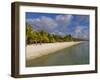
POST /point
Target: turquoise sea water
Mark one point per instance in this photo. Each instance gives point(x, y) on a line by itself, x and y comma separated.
point(75, 55)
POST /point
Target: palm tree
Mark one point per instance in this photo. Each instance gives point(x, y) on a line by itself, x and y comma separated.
point(29, 33)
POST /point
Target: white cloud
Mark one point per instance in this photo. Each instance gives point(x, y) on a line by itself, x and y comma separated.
point(59, 23)
point(29, 20)
point(61, 33)
point(44, 22)
point(48, 22)
point(58, 33)
point(63, 19)
point(78, 30)
point(81, 32)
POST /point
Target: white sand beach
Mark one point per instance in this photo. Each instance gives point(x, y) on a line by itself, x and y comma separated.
point(33, 51)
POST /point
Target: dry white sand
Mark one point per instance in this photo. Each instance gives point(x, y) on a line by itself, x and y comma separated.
point(33, 51)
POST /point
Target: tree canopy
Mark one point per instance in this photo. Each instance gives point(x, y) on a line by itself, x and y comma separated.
point(42, 36)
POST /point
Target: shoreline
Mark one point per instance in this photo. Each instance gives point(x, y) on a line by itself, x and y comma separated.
point(35, 51)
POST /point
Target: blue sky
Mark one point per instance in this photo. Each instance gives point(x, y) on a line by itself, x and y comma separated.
point(60, 24)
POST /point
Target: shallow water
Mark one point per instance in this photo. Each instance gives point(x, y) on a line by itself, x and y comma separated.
point(75, 55)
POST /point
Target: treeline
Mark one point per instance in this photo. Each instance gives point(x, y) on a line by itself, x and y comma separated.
point(42, 36)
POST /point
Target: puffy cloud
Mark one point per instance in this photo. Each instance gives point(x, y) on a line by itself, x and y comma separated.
point(63, 20)
point(48, 22)
point(58, 33)
point(59, 25)
point(81, 32)
point(78, 30)
point(43, 22)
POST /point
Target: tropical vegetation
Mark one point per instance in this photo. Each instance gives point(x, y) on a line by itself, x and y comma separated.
point(41, 36)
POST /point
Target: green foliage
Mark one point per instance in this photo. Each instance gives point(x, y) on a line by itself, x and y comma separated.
point(68, 38)
point(42, 36)
point(51, 38)
point(29, 34)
